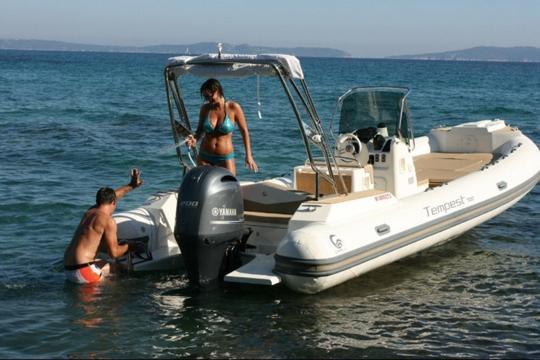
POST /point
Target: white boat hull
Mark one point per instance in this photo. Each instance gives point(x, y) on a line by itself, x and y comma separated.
point(315, 284)
point(153, 224)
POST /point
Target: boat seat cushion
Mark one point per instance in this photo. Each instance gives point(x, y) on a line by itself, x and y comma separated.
point(439, 168)
point(267, 218)
point(268, 197)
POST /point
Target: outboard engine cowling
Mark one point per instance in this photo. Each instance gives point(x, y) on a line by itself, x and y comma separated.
point(209, 221)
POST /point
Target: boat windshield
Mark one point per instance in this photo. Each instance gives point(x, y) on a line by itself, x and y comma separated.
point(368, 107)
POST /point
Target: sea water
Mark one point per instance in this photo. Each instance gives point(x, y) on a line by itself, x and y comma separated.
point(73, 122)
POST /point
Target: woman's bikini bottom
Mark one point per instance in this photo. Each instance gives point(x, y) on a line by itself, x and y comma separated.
point(215, 159)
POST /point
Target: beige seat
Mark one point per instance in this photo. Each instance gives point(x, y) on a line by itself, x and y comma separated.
point(439, 168)
point(305, 180)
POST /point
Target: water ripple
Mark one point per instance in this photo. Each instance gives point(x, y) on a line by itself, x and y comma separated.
point(475, 297)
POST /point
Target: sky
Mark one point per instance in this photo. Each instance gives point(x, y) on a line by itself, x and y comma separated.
point(375, 28)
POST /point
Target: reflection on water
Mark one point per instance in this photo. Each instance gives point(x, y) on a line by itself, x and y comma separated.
point(448, 301)
point(88, 297)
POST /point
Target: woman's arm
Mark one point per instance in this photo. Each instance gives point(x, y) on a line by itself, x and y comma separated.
point(242, 126)
point(191, 140)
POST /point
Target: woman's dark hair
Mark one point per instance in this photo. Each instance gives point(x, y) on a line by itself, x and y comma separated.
point(105, 195)
point(210, 86)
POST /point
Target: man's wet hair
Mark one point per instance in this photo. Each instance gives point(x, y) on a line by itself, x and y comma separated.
point(210, 86)
point(105, 195)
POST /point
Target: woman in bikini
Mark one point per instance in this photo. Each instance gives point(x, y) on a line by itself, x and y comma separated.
point(217, 119)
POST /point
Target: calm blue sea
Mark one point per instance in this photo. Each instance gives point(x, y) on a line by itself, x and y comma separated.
point(73, 122)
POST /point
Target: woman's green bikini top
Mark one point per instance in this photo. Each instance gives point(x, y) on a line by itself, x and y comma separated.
point(226, 126)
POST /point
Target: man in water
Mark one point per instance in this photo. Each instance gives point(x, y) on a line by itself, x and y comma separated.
point(96, 230)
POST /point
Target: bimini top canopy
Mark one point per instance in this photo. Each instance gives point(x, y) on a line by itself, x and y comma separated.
point(235, 65)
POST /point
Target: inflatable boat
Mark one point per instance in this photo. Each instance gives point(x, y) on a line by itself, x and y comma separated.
point(365, 195)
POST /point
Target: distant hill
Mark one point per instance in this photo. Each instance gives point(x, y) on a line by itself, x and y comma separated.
point(197, 48)
point(482, 53)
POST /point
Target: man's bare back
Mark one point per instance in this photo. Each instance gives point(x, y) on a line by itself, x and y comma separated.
point(87, 238)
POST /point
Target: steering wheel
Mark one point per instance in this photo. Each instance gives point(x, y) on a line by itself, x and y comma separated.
point(365, 134)
point(348, 145)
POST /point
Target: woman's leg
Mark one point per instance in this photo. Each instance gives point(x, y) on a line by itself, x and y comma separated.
point(229, 165)
point(201, 162)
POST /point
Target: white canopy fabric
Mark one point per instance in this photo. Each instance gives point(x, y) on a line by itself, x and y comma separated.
point(235, 65)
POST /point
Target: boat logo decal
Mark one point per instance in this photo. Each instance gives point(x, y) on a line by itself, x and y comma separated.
point(383, 197)
point(188, 203)
point(223, 211)
point(336, 241)
point(307, 208)
point(445, 207)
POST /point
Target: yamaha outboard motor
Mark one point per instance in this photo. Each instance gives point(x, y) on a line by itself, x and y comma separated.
point(209, 222)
